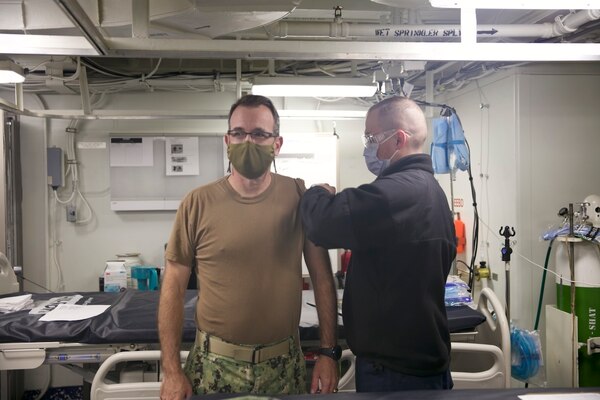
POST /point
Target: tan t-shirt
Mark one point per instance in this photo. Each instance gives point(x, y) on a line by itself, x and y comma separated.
point(248, 253)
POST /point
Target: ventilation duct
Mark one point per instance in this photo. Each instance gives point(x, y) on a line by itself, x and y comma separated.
point(209, 18)
point(344, 30)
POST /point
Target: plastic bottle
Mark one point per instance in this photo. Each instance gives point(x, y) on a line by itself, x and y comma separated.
point(131, 260)
point(115, 276)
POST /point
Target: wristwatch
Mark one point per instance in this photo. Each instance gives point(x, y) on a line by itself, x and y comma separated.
point(334, 352)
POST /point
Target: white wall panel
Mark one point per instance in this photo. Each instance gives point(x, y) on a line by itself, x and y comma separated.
point(532, 153)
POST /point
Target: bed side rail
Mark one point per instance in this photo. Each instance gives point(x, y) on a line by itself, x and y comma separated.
point(493, 377)
point(102, 390)
point(495, 330)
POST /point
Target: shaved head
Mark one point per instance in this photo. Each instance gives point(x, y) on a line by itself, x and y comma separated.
point(402, 113)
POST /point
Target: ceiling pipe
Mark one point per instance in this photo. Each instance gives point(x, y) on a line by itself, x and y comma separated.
point(571, 22)
point(342, 30)
point(404, 32)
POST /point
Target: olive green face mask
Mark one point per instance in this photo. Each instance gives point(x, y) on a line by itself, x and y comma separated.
point(250, 159)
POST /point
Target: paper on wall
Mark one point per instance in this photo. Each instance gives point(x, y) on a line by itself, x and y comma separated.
point(182, 156)
point(131, 151)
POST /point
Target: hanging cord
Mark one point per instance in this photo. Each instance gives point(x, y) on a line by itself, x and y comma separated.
point(484, 106)
point(475, 238)
point(73, 170)
point(55, 245)
point(542, 286)
point(34, 283)
point(446, 112)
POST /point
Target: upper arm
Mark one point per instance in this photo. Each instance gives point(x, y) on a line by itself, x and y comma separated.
point(176, 276)
point(181, 248)
point(326, 219)
point(353, 217)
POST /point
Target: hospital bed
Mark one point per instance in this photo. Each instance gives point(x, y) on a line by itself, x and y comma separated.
point(130, 324)
point(480, 352)
point(483, 360)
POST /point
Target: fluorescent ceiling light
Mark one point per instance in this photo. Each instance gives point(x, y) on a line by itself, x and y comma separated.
point(517, 4)
point(314, 87)
point(11, 72)
point(322, 114)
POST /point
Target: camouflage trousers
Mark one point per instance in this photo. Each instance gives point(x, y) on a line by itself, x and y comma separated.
point(214, 373)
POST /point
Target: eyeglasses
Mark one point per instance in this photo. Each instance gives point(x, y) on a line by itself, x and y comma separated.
point(369, 138)
point(381, 137)
point(257, 135)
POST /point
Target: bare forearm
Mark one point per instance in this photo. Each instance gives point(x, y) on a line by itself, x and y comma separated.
point(170, 322)
point(326, 300)
point(325, 294)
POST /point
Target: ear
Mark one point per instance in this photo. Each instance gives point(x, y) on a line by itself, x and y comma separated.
point(277, 145)
point(226, 139)
point(402, 138)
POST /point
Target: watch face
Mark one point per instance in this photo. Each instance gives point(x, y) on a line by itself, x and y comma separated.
point(337, 352)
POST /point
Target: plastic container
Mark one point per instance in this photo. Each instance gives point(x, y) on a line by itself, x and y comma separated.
point(115, 276)
point(131, 260)
point(146, 277)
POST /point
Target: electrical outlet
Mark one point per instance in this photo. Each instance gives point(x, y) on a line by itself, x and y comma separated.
point(71, 213)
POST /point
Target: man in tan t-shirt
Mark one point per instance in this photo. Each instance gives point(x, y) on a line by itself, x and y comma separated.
point(245, 234)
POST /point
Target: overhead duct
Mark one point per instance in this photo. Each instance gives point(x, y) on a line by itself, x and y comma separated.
point(256, 20)
point(345, 30)
point(209, 18)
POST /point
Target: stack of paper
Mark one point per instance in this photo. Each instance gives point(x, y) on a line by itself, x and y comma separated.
point(15, 303)
point(74, 312)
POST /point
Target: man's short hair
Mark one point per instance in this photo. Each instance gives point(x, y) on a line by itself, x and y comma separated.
point(389, 103)
point(403, 113)
point(254, 101)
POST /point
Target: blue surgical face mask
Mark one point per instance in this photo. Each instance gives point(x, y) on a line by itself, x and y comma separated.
point(374, 164)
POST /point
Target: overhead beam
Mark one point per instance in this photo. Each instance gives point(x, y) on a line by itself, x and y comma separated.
point(82, 21)
point(352, 50)
point(11, 43)
point(301, 50)
point(336, 115)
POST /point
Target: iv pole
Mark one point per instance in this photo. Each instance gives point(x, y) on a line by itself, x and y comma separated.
point(506, 252)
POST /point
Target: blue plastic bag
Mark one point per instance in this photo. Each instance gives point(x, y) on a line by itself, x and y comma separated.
point(449, 145)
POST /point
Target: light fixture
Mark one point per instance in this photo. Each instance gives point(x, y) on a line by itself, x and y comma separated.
point(305, 86)
point(10, 72)
point(322, 115)
point(517, 4)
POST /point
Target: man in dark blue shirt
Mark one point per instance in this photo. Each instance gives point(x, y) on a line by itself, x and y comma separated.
point(401, 233)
